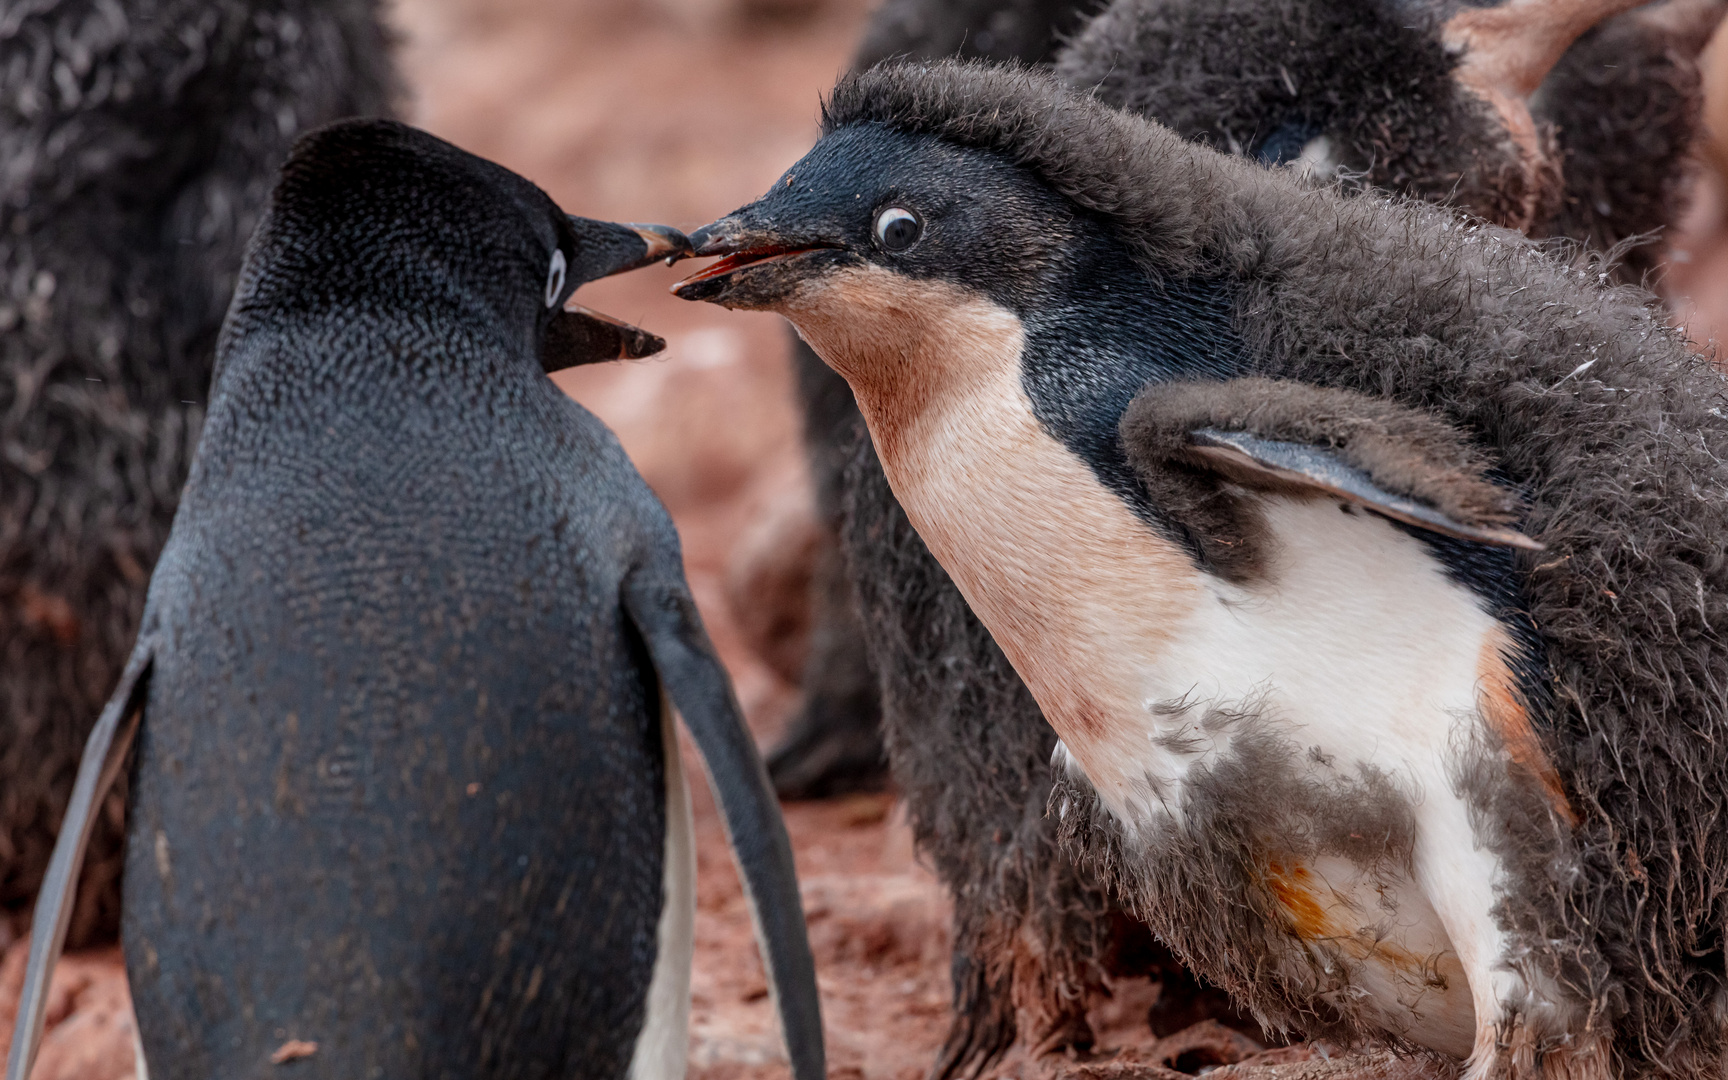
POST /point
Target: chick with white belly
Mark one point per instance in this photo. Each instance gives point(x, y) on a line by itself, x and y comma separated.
point(1252, 484)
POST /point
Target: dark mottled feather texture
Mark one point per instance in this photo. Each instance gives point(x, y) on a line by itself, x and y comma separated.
point(137, 143)
point(1595, 412)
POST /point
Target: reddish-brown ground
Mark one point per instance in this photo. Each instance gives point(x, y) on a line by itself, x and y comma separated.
point(678, 111)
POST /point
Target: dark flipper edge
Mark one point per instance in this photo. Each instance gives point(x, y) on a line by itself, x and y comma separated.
point(667, 619)
point(1254, 461)
point(104, 755)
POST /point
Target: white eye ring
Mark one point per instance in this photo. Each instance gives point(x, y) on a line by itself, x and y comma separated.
point(897, 229)
point(555, 278)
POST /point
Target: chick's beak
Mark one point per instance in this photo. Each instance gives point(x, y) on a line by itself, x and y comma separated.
point(760, 265)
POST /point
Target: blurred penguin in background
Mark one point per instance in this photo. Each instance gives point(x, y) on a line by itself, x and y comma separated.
point(1475, 108)
point(1367, 91)
point(138, 141)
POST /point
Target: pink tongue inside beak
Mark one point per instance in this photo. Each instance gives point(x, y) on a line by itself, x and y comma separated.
point(738, 261)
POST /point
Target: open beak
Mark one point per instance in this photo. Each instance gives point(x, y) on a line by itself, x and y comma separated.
point(753, 270)
point(580, 335)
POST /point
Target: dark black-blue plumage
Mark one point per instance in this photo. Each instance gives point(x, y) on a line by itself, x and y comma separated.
point(403, 777)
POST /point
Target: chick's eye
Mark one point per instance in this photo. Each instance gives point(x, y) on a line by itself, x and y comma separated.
point(897, 229)
point(555, 278)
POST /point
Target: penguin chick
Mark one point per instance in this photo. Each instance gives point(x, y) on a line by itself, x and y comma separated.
point(1485, 109)
point(1399, 787)
point(1372, 83)
point(406, 785)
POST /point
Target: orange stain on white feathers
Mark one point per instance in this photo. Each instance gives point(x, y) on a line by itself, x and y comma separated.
point(1392, 953)
point(1502, 708)
point(1290, 885)
point(1316, 914)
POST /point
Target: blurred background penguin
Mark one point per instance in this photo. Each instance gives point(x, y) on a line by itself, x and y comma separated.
point(139, 142)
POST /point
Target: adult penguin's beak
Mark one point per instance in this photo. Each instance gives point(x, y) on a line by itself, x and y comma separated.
point(620, 247)
point(580, 335)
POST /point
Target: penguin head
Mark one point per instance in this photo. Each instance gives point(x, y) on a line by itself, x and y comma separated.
point(880, 239)
point(376, 218)
point(965, 231)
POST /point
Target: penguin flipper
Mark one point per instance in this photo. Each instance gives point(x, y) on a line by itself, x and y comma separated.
point(666, 617)
point(1277, 435)
point(1256, 462)
point(104, 756)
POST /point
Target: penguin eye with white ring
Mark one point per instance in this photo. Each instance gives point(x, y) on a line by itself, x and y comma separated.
point(897, 229)
point(555, 277)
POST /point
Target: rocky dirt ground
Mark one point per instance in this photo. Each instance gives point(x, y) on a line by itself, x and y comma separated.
point(678, 111)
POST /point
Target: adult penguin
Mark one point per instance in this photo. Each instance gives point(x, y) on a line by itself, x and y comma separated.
point(140, 139)
point(968, 745)
point(407, 797)
point(1380, 631)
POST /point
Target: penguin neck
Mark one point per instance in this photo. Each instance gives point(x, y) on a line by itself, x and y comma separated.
point(1096, 343)
point(997, 430)
point(912, 350)
point(450, 348)
point(997, 433)
point(1059, 568)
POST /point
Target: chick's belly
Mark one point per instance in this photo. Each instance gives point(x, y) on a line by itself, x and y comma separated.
point(1356, 651)
point(1380, 933)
